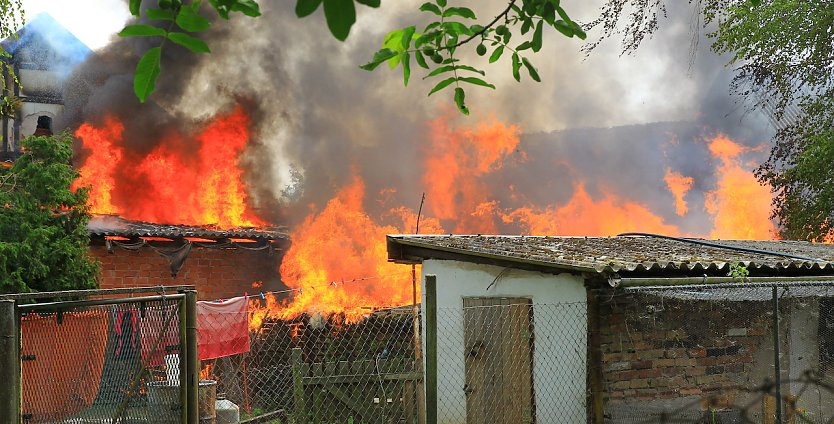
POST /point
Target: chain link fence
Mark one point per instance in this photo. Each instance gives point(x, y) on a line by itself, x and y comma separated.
point(102, 360)
point(320, 368)
point(718, 353)
point(507, 360)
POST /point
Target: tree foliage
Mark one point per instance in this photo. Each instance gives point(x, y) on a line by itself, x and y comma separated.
point(43, 224)
point(433, 49)
point(453, 27)
point(783, 54)
point(11, 17)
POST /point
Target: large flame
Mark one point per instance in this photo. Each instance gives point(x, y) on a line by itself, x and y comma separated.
point(172, 184)
point(344, 243)
point(337, 260)
point(739, 204)
point(583, 215)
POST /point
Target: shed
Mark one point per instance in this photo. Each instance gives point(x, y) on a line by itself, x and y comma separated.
point(220, 263)
point(626, 329)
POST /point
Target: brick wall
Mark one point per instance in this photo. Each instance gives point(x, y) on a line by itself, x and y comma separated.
point(656, 349)
point(217, 273)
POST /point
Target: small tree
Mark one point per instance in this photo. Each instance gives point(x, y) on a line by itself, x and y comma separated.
point(43, 224)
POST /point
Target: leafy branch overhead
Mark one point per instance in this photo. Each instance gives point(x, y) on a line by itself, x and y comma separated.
point(434, 48)
point(452, 28)
point(177, 22)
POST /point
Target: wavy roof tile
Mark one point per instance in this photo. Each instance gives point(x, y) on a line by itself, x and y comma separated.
point(622, 254)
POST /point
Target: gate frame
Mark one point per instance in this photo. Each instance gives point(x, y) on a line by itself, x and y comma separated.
point(12, 306)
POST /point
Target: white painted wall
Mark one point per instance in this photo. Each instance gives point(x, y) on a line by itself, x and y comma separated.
point(560, 326)
point(31, 112)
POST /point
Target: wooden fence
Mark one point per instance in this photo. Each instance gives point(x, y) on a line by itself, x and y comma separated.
point(378, 391)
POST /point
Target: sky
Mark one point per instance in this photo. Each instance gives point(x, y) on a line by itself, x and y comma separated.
point(94, 22)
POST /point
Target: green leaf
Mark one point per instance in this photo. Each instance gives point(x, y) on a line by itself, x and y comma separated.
point(421, 60)
point(379, 57)
point(369, 3)
point(456, 28)
point(564, 28)
point(222, 7)
point(524, 46)
point(531, 70)
point(340, 15)
point(147, 70)
point(440, 70)
point(441, 3)
point(476, 81)
point(528, 23)
point(247, 7)
point(562, 13)
point(408, 34)
point(405, 60)
point(516, 67)
point(196, 45)
point(463, 12)
point(159, 14)
point(134, 7)
point(306, 7)
point(430, 7)
point(577, 30)
point(142, 31)
point(190, 21)
point(447, 68)
point(459, 101)
point(549, 13)
point(537, 37)
point(496, 54)
point(441, 85)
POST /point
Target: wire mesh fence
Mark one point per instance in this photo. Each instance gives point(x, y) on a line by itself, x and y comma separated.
point(507, 360)
point(718, 354)
point(321, 368)
point(687, 354)
point(116, 362)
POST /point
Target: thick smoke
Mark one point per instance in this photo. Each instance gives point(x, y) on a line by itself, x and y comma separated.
point(617, 121)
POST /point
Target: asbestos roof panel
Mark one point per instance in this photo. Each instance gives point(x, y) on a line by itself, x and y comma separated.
point(109, 225)
point(624, 254)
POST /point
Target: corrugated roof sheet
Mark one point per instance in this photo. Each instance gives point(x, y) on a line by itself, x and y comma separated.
point(621, 254)
point(109, 225)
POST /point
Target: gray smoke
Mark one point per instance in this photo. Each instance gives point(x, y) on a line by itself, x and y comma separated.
point(318, 119)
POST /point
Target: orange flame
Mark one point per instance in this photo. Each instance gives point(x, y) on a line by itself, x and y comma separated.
point(739, 204)
point(679, 185)
point(161, 186)
point(337, 261)
point(585, 216)
point(206, 372)
point(456, 158)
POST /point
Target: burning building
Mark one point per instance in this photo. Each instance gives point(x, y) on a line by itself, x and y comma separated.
point(222, 150)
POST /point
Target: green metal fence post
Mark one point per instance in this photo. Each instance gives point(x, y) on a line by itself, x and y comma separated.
point(9, 363)
point(192, 377)
point(431, 349)
point(777, 368)
point(183, 363)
